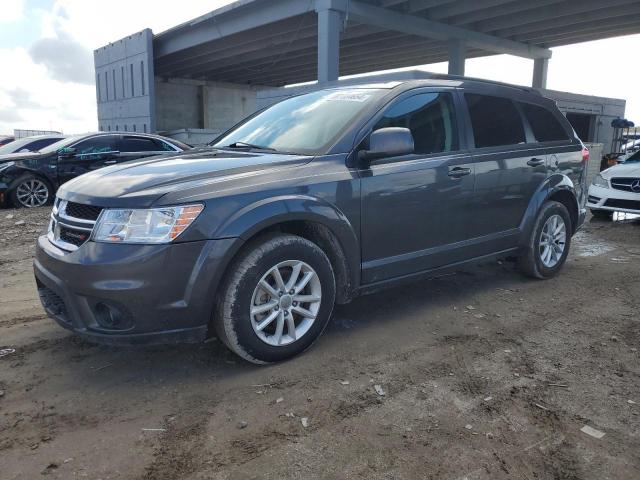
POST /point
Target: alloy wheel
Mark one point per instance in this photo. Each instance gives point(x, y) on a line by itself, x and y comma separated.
point(553, 240)
point(285, 303)
point(32, 193)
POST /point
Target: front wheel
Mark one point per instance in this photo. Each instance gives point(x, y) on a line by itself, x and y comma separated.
point(31, 191)
point(276, 300)
point(548, 245)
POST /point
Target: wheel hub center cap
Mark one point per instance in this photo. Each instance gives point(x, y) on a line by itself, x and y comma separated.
point(285, 301)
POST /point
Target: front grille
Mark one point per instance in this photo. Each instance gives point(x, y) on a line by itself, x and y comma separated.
point(72, 236)
point(83, 212)
point(626, 204)
point(52, 302)
point(71, 224)
point(623, 183)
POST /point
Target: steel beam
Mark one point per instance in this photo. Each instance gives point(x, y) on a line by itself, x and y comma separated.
point(414, 25)
point(229, 22)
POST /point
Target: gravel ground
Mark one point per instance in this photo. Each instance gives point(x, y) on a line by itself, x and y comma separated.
point(478, 375)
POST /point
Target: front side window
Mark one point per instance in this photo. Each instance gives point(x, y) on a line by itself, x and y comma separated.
point(545, 126)
point(95, 146)
point(306, 124)
point(495, 121)
point(431, 119)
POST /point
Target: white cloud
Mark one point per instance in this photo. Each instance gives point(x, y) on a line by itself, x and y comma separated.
point(12, 11)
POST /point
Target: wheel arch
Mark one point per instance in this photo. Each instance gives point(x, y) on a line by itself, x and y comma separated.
point(20, 175)
point(310, 218)
point(557, 188)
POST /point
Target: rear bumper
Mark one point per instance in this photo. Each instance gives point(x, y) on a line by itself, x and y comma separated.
point(132, 294)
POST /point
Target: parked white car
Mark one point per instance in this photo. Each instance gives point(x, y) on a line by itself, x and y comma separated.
point(616, 189)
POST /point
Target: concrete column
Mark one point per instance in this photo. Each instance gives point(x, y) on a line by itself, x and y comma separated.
point(329, 28)
point(457, 57)
point(540, 68)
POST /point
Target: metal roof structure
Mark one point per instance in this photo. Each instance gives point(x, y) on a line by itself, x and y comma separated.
point(280, 42)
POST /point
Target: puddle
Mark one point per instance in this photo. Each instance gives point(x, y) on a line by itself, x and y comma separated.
point(586, 246)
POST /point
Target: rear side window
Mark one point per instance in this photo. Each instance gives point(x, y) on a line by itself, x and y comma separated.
point(544, 124)
point(431, 119)
point(139, 144)
point(495, 121)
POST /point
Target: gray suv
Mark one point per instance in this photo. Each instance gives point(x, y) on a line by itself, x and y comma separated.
point(311, 202)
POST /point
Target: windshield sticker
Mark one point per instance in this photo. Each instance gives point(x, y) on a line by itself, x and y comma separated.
point(349, 96)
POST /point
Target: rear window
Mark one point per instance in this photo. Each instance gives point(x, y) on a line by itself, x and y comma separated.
point(495, 121)
point(544, 124)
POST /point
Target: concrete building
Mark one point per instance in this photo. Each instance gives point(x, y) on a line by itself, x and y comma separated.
point(202, 76)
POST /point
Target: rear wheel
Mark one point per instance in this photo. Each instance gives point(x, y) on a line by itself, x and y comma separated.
point(31, 191)
point(277, 299)
point(549, 243)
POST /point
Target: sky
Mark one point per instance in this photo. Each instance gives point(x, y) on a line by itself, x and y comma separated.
point(46, 53)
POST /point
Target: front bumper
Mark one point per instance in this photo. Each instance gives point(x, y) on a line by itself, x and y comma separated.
point(613, 200)
point(132, 294)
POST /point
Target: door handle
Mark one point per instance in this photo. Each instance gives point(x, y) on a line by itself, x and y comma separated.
point(535, 162)
point(109, 162)
point(458, 172)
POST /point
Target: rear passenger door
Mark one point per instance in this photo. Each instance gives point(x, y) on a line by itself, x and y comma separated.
point(416, 208)
point(133, 146)
point(509, 169)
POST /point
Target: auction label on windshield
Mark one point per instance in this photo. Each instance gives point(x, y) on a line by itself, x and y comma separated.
point(349, 96)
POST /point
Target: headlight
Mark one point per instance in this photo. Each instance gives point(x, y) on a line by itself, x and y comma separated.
point(4, 166)
point(599, 181)
point(153, 225)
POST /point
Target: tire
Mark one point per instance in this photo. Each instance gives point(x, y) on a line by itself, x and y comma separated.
point(30, 191)
point(240, 296)
point(603, 214)
point(537, 261)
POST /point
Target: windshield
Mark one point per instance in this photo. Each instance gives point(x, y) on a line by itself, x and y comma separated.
point(65, 142)
point(14, 146)
point(635, 158)
point(306, 124)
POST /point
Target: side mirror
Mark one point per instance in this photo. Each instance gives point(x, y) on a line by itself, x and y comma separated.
point(66, 152)
point(388, 142)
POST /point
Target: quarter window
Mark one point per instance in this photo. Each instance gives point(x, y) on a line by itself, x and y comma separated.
point(545, 126)
point(431, 119)
point(495, 121)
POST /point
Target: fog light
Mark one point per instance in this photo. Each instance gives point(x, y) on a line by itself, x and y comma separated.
point(111, 317)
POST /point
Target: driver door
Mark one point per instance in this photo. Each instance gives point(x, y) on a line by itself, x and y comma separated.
point(416, 208)
point(90, 154)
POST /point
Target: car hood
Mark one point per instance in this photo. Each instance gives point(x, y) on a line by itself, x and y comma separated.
point(142, 182)
point(622, 170)
point(14, 157)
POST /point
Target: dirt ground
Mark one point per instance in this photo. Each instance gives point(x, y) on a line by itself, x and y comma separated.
point(485, 375)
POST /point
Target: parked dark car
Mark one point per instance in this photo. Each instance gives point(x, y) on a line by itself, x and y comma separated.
point(28, 144)
point(312, 201)
point(6, 139)
point(30, 179)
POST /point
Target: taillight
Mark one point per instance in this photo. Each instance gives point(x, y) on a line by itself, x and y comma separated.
point(585, 154)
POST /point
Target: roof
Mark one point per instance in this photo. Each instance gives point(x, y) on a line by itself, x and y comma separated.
point(274, 42)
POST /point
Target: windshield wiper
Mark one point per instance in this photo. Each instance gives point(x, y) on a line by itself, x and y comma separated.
point(250, 145)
